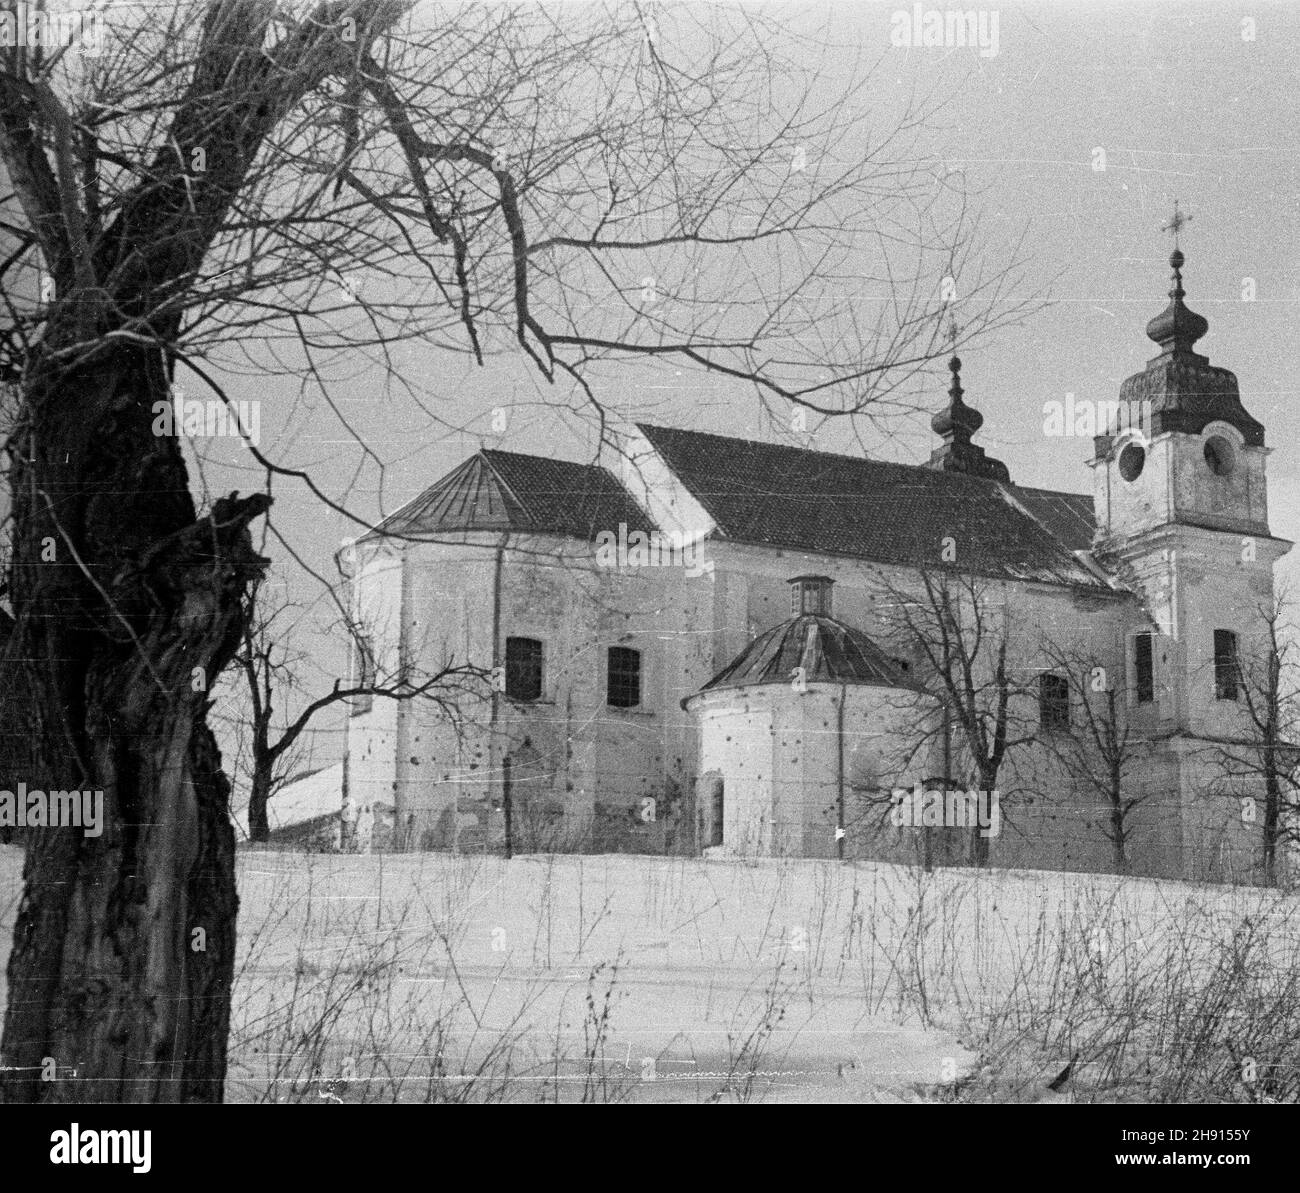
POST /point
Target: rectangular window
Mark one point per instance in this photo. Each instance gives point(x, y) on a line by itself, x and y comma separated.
point(624, 677)
point(718, 809)
point(523, 668)
point(1144, 667)
point(1053, 701)
point(1227, 676)
point(363, 671)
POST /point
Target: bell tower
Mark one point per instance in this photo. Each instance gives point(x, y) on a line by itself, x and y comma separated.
point(1182, 515)
point(1183, 448)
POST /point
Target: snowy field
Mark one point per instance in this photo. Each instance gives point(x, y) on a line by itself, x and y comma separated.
point(608, 978)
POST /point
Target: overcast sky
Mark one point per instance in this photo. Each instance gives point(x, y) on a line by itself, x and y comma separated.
point(1182, 104)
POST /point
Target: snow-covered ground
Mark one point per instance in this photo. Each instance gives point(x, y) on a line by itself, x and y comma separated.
point(657, 978)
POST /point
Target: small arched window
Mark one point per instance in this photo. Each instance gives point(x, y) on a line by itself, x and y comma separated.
point(1053, 701)
point(1220, 455)
point(623, 677)
point(523, 668)
point(1131, 461)
point(1144, 669)
point(718, 810)
point(1227, 669)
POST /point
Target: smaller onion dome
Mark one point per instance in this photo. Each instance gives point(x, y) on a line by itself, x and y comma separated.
point(956, 424)
point(1177, 327)
point(957, 414)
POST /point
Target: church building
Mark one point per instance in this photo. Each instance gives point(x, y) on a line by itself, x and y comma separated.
point(743, 648)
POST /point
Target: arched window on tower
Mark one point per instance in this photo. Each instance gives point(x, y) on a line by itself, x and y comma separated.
point(718, 809)
point(1144, 667)
point(1227, 671)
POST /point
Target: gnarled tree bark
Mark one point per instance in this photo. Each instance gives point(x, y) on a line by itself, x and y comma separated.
point(127, 604)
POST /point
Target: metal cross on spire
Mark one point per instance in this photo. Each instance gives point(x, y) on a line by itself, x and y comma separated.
point(954, 362)
point(1176, 223)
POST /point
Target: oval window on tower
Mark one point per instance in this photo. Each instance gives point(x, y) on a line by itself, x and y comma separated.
point(1220, 455)
point(1131, 461)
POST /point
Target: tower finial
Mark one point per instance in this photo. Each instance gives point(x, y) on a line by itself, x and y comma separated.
point(957, 423)
point(954, 363)
point(1176, 223)
point(1176, 328)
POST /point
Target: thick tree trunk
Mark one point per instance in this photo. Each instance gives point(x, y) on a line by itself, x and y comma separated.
point(1119, 853)
point(1272, 821)
point(259, 795)
point(127, 606)
point(1118, 828)
point(979, 843)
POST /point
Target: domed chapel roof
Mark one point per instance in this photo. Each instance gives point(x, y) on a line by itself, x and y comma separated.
point(827, 650)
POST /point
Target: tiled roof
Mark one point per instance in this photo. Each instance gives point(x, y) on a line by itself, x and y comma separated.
point(828, 651)
point(889, 513)
point(506, 491)
point(1069, 516)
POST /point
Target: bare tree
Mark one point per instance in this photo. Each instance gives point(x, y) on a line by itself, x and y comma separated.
point(268, 732)
point(242, 183)
point(1094, 743)
point(958, 633)
point(1266, 755)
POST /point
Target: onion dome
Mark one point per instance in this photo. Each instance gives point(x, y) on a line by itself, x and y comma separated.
point(955, 425)
point(957, 417)
point(1180, 390)
point(1177, 328)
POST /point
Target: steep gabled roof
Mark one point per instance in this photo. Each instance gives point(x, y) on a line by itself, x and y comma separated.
point(1069, 516)
point(791, 497)
point(507, 491)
